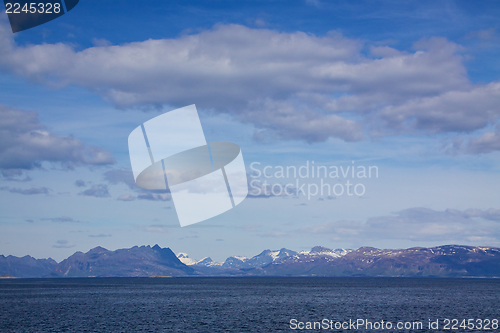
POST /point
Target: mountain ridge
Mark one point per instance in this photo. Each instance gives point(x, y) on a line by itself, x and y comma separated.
point(134, 262)
point(143, 261)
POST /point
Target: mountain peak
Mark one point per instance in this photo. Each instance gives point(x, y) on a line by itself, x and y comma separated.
point(135, 261)
point(318, 249)
point(98, 249)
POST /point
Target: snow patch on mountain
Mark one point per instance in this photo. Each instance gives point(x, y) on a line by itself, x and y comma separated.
point(207, 261)
point(323, 251)
point(184, 258)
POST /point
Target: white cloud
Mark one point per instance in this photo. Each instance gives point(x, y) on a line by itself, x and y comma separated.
point(25, 143)
point(117, 176)
point(29, 191)
point(14, 175)
point(289, 85)
point(487, 143)
point(62, 219)
point(63, 244)
point(418, 224)
point(292, 122)
point(485, 34)
point(80, 183)
point(101, 42)
point(155, 196)
point(126, 197)
point(452, 111)
point(100, 235)
point(98, 191)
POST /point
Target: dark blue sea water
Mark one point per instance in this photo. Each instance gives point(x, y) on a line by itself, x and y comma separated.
point(246, 304)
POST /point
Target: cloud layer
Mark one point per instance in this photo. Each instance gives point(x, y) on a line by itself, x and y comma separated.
point(288, 85)
point(25, 144)
point(97, 190)
point(29, 191)
point(117, 176)
point(419, 224)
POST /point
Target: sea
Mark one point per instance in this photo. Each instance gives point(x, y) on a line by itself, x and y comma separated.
point(249, 304)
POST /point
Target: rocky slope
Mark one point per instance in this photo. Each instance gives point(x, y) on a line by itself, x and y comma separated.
point(26, 267)
point(441, 261)
point(136, 261)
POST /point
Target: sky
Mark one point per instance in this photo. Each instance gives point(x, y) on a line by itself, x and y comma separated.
point(409, 91)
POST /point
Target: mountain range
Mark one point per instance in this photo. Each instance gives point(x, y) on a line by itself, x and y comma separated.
point(147, 261)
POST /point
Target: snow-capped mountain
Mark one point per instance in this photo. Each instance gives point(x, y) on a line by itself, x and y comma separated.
point(263, 259)
point(323, 251)
point(447, 260)
point(235, 262)
point(207, 261)
point(184, 258)
point(439, 261)
point(267, 257)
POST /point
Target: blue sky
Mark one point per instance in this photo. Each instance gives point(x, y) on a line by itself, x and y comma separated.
point(412, 88)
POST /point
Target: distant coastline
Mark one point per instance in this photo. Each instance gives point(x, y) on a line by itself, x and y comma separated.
point(447, 261)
